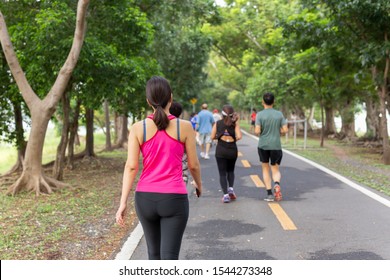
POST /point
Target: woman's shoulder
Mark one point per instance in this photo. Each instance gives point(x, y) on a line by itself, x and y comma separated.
point(185, 123)
point(140, 123)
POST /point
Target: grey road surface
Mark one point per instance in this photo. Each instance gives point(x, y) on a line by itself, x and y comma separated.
point(320, 217)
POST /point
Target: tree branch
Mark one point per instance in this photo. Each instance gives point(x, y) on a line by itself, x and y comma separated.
point(27, 92)
point(224, 55)
point(65, 73)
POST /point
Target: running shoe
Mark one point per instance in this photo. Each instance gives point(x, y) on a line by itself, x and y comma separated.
point(269, 198)
point(226, 198)
point(277, 193)
point(202, 155)
point(206, 156)
point(231, 193)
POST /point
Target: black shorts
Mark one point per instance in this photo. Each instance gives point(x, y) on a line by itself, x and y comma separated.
point(274, 155)
point(253, 123)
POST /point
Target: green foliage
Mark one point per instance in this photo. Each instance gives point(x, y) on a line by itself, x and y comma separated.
point(180, 45)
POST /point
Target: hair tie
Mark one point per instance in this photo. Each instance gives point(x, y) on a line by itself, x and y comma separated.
point(225, 114)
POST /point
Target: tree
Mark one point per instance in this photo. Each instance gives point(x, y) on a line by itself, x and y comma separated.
point(32, 177)
point(180, 45)
point(369, 23)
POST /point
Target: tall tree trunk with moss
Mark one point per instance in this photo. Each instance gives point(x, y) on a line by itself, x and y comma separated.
point(32, 177)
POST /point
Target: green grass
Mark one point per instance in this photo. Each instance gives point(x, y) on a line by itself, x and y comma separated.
point(32, 227)
point(360, 165)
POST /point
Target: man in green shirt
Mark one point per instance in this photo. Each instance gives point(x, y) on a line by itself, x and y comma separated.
point(270, 124)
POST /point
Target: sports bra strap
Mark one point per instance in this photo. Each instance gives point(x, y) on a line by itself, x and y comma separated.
point(144, 131)
point(178, 129)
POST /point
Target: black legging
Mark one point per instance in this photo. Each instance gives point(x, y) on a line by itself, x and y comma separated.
point(163, 218)
point(226, 172)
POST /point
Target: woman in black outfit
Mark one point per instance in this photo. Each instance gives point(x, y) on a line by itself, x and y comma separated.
point(227, 131)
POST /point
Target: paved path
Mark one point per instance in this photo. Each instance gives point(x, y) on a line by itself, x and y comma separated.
point(320, 217)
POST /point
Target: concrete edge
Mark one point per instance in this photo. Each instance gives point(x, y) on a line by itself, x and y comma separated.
point(131, 244)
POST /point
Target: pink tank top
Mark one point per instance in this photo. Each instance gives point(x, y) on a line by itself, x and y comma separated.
point(162, 164)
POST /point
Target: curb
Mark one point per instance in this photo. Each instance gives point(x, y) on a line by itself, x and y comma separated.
point(131, 244)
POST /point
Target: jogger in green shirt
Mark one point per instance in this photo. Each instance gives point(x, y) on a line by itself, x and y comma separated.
point(269, 125)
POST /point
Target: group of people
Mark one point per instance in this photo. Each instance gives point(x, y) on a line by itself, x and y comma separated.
point(168, 147)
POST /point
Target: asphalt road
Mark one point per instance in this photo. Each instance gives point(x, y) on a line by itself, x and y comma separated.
point(321, 217)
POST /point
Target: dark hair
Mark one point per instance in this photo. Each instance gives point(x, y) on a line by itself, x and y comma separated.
point(158, 93)
point(229, 116)
point(268, 98)
point(176, 109)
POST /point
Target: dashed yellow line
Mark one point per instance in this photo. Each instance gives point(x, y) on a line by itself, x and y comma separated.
point(257, 181)
point(282, 216)
point(239, 154)
point(245, 163)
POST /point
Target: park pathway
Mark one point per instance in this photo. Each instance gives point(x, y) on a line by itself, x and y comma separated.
point(322, 216)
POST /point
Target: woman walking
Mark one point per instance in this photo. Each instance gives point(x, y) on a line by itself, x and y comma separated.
point(227, 132)
point(161, 199)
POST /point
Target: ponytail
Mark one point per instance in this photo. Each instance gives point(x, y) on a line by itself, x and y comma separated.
point(160, 118)
point(159, 93)
point(229, 116)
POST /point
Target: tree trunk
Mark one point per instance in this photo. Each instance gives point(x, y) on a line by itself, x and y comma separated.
point(58, 168)
point(89, 149)
point(330, 127)
point(107, 124)
point(20, 142)
point(348, 121)
point(73, 127)
point(123, 131)
point(32, 178)
point(382, 91)
point(383, 125)
point(372, 121)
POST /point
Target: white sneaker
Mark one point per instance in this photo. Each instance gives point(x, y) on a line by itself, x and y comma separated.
point(206, 156)
point(202, 155)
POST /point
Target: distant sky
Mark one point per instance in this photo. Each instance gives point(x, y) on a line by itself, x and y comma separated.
point(220, 2)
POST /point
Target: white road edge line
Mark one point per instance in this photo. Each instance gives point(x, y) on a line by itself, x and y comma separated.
point(343, 179)
point(131, 243)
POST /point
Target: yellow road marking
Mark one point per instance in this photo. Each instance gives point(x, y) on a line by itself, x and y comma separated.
point(239, 154)
point(257, 181)
point(282, 216)
point(245, 163)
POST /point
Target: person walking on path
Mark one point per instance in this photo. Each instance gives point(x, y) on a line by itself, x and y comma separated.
point(227, 131)
point(253, 120)
point(205, 125)
point(161, 199)
point(270, 124)
point(217, 116)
